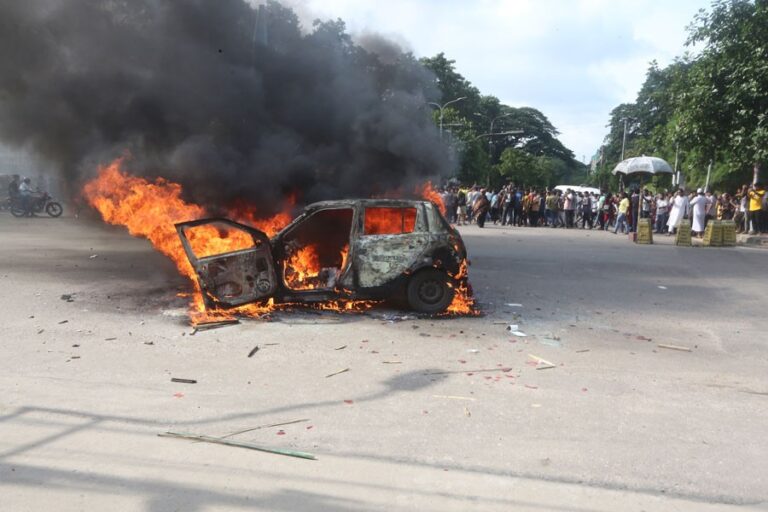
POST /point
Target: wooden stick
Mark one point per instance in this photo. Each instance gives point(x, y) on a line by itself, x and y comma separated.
point(239, 444)
point(674, 347)
point(202, 326)
point(263, 426)
point(336, 373)
point(470, 371)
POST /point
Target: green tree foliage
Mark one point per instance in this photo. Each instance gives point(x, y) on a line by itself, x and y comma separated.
point(484, 130)
point(707, 108)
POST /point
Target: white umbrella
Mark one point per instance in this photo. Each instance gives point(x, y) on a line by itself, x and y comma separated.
point(643, 165)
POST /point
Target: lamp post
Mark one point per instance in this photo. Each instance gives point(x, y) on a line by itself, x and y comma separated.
point(442, 108)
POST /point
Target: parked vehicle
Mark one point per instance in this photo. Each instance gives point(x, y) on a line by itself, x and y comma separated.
point(367, 249)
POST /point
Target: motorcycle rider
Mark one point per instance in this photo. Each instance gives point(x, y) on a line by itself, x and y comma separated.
point(13, 187)
point(25, 194)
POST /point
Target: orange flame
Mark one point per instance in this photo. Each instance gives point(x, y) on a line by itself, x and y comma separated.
point(429, 193)
point(462, 303)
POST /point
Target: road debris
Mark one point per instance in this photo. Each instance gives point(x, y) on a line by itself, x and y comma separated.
point(69, 297)
point(342, 347)
point(470, 371)
point(452, 397)
point(204, 326)
point(271, 425)
point(519, 334)
point(467, 413)
point(660, 287)
point(674, 347)
point(513, 327)
point(64, 322)
point(110, 339)
point(513, 305)
point(239, 444)
point(253, 351)
point(541, 363)
point(337, 373)
point(582, 350)
point(41, 331)
point(183, 381)
point(391, 362)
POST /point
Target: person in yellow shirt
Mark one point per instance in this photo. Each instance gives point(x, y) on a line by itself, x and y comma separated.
point(755, 214)
point(621, 220)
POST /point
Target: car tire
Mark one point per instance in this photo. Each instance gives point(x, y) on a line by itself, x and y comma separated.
point(429, 291)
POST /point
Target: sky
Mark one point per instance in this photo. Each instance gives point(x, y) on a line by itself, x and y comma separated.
point(575, 60)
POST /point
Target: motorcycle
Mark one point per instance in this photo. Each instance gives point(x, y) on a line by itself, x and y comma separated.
point(38, 204)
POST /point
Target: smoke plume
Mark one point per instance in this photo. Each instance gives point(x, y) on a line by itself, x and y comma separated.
point(231, 100)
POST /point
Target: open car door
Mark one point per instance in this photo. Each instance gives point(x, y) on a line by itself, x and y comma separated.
point(233, 262)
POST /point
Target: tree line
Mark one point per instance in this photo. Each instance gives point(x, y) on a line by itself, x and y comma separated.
point(496, 143)
point(708, 109)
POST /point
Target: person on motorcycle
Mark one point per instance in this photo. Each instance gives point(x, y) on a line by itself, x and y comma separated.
point(25, 194)
point(13, 187)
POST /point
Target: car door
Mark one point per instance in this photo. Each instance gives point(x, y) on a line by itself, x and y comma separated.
point(391, 241)
point(233, 262)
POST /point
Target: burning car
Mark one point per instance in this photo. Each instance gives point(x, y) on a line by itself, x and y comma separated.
point(365, 249)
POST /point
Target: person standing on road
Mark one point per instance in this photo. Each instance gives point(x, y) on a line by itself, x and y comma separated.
point(25, 195)
point(586, 210)
point(679, 210)
point(480, 208)
point(569, 208)
point(662, 207)
point(699, 205)
point(755, 213)
point(621, 220)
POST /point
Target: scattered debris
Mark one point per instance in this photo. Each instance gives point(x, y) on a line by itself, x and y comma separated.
point(467, 413)
point(178, 394)
point(283, 423)
point(41, 331)
point(519, 334)
point(342, 347)
point(110, 339)
point(253, 351)
point(391, 362)
point(451, 397)
point(63, 322)
point(542, 364)
point(239, 444)
point(529, 386)
point(554, 341)
point(69, 297)
point(75, 345)
point(513, 305)
point(674, 347)
point(582, 350)
point(281, 432)
point(337, 373)
point(204, 326)
point(472, 351)
point(349, 402)
point(183, 381)
point(643, 338)
point(270, 344)
point(661, 287)
point(149, 342)
point(513, 327)
point(535, 406)
point(74, 357)
point(424, 335)
point(469, 372)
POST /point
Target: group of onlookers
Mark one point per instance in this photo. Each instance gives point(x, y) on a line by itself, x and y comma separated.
point(520, 206)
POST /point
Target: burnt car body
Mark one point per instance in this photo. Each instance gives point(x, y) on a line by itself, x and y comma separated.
point(367, 249)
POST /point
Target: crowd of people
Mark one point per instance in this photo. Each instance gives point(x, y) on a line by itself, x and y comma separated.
point(520, 206)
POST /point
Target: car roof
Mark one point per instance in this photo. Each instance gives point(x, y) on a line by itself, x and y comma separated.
point(351, 203)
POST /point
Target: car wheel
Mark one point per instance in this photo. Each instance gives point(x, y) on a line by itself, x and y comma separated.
point(429, 291)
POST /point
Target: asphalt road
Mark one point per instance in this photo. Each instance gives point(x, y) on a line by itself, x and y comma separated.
point(433, 414)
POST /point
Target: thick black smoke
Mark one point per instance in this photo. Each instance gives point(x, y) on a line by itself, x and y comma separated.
point(233, 101)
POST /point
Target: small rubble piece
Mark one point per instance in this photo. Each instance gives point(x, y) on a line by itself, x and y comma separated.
point(452, 397)
point(183, 381)
point(519, 334)
point(674, 347)
point(64, 322)
point(467, 413)
point(542, 364)
point(582, 351)
point(337, 373)
point(513, 305)
point(513, 327)
point(391, 362)
point(253, 351)
point(69, 297)
point(93, 256)
point(661, 287)
point(342, 347)
point(239, 444)
point(110, 339)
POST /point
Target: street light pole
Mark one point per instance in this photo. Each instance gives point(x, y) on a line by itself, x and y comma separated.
point(442, 108)
point(624, 139)
point(490, 145)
